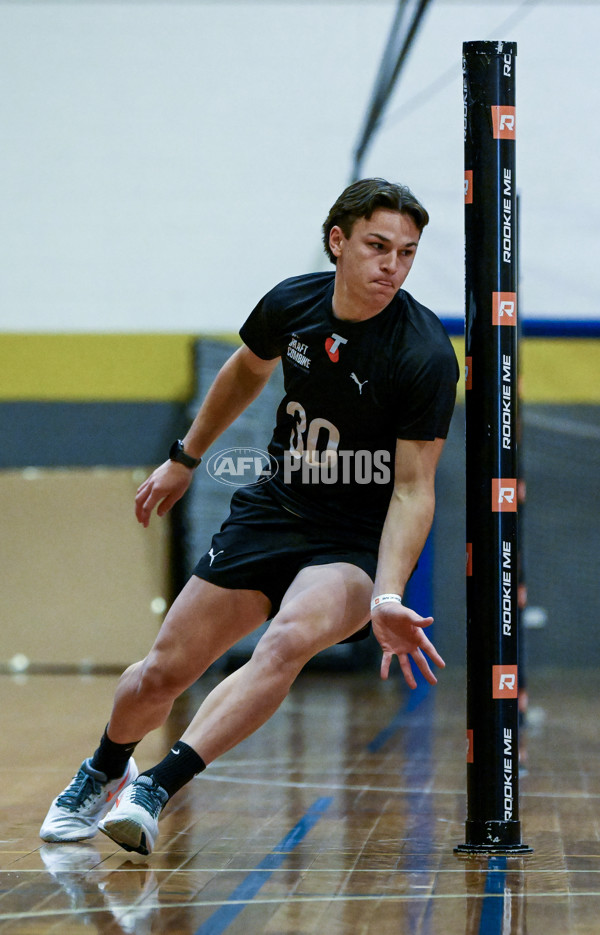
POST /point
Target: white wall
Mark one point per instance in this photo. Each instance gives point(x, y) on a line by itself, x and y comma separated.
point(164, 163)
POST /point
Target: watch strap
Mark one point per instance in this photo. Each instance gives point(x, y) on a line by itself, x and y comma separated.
point(178, 453)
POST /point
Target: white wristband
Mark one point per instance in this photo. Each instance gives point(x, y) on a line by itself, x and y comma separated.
point(385, 599)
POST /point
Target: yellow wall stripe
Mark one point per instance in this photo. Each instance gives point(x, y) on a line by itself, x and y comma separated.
point(159, 368)
point(554, 370)
point(96, 367)
point(561, 370)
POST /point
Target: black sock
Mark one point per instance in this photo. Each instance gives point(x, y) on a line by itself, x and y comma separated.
point(180, 765)
point(111, 758)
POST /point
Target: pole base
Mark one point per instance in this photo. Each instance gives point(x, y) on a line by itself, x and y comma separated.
point(493, 837)
point(494, 850)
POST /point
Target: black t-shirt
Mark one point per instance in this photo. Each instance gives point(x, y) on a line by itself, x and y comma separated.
point(351, 390)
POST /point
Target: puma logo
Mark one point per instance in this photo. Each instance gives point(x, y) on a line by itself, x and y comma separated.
point(213, 555)
point(358, 383)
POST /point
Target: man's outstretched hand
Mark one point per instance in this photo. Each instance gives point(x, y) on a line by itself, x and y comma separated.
point(399, 632)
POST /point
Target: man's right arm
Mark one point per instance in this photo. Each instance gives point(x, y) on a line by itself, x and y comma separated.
point(237, 384)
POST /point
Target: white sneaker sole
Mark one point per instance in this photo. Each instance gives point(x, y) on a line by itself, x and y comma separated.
point(128, 834)
point(70, 837)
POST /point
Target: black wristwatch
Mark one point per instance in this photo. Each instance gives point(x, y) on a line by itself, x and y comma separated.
point(178, 453)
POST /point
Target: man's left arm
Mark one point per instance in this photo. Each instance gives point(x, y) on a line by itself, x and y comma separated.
point(398, 629)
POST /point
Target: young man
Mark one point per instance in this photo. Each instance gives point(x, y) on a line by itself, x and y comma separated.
point(325, 546)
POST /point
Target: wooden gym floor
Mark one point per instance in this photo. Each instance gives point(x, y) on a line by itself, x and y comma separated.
point(337, 818)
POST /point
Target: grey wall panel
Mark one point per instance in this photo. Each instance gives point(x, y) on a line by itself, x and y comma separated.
point(55, 434)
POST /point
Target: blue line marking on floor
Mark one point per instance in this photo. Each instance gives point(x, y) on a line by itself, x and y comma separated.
point(255, 880)
point(492, 910)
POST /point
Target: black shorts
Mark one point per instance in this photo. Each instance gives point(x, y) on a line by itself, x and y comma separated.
point(262, 546)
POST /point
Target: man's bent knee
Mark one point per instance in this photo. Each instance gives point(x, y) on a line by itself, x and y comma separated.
point(161, 679)
point(285, 646)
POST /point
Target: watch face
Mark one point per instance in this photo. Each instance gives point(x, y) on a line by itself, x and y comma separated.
point(175, 449)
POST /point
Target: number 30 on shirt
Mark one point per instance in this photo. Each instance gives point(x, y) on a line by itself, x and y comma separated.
point(304, 439)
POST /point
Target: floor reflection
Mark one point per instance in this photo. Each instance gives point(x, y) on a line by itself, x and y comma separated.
point(497, 890)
